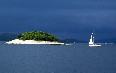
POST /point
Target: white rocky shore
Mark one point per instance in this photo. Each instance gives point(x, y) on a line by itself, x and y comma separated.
point(17, 41)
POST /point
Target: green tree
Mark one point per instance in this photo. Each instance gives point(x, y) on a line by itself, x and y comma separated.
point(38, 36)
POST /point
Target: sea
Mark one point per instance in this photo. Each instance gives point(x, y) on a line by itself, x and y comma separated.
point(75, 58)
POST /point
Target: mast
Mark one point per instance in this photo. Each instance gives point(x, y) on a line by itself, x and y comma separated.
point(93, 38)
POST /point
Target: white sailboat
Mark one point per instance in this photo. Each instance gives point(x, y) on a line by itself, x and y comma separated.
point(91, 42)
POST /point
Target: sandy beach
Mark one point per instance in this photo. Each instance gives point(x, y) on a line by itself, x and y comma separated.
point(17, 41)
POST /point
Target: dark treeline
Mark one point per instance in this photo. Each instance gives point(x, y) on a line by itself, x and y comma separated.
point(7, 36)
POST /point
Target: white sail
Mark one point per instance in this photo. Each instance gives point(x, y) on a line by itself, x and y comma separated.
point(91, 39)
point(91, 42)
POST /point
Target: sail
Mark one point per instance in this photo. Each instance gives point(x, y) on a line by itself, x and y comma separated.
point(91, 42)
point(91, 39)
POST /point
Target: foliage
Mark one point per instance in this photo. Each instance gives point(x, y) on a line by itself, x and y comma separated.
point(38, 36)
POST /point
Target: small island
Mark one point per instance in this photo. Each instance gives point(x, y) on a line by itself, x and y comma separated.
point(36, 37)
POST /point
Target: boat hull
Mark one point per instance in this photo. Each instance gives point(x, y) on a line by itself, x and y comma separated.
point(94, 45)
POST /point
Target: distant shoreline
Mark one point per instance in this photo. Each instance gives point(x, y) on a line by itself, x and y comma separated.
point(17, 41)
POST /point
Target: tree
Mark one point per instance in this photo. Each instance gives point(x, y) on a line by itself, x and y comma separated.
point(38, 36)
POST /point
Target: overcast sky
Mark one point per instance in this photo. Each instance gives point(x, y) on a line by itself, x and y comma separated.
point(63, 18)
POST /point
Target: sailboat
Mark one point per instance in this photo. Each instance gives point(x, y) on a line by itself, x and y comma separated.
point(92, 43)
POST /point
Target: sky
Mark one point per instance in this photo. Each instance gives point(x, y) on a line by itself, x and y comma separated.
point(63, 18)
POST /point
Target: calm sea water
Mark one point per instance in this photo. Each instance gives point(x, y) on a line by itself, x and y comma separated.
point(77, 58)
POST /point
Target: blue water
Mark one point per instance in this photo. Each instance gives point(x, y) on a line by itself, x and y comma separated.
point(77, 58)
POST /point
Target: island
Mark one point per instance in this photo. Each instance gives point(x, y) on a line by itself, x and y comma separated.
point(35, 37)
